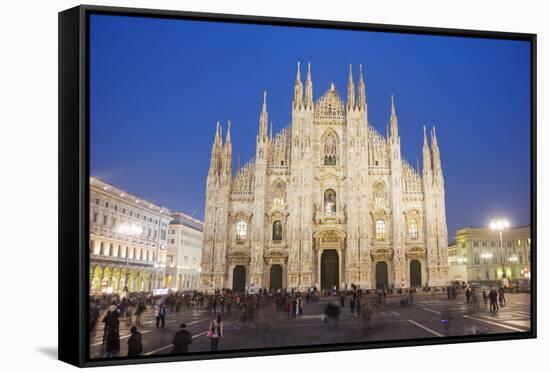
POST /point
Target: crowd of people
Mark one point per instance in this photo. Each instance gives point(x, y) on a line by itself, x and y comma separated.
point(244, 308)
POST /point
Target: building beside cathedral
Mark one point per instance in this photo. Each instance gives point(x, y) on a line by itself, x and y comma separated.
point(327, 201)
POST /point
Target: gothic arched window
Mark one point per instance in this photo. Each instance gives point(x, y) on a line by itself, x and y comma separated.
point(279, 194)
point(379, 193)
point(413, 229)
point(241, 231)
point(277, 231)
point(330, 201)
point(380, 230)
point(329, 150)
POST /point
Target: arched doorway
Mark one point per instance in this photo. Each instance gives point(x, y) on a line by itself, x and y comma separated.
point(276, 277)
point(239, 278)
point(416, 274)
point(381, 275)
point(330, 272)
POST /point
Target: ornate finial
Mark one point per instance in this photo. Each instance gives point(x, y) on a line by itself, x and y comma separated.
point(308, 71)
point(228, 134)
point(350, 72)
point(332, 86)
point(264, 107)
point(360, 72)
point(392, 106)
point(298, 72)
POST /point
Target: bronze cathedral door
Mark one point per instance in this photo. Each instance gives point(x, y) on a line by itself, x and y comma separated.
point(276, 277)
point(330, 271)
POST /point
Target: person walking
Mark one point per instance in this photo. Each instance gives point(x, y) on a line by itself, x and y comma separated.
point(139, 310)
point(501, 299)
point(161, 315)
point(182, 340)
point(485, 298)
point(105, 322)
point(493, 298)
point(215, 332)
point(135, 347)
point(113, 337)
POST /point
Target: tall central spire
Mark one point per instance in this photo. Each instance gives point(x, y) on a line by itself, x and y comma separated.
point(309, 88)
point(262, 133)
point(393, 122)
point(351, 90)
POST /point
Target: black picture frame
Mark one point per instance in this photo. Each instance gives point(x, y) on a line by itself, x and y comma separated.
point(74, 182)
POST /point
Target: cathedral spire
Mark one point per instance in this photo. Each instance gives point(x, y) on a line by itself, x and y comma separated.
point(351, 90)
point(298, 89)
point(309, 88)
point(228, 151)
point(436, 158)
point(216, 145)
point(426, 156)
point(362, 98)
point(393, 122)
point(262, 133)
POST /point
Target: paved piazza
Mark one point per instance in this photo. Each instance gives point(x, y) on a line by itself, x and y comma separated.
point(273, 329)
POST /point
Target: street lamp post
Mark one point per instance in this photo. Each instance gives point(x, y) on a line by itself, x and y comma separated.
point(500, 224)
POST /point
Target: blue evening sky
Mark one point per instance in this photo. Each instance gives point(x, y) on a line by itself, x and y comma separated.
point(158, 86)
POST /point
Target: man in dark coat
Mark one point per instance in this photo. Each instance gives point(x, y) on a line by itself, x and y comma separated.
point(135, 347)
point(182, 340)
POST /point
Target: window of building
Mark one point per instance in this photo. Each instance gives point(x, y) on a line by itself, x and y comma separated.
point(241, 231)
point(172, 241)
point(413, 229)
point(107, 204)
point(509, 243)
point(484, 243)
point(113, 222)
point(173, 231)
point(185, 260)
point(279, 194)
point(97, 201)
point(529, 241)
point(95, 217)
point(116, 207)
point(277, 231)
point(519, 243)
point(380, 230)
point(330, 150)
point(379, 193)
point(330, 201)
point(476, 259)
point(493, 243)
point(476, 243)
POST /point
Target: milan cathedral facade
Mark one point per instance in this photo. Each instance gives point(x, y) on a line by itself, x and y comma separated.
point(326, 202)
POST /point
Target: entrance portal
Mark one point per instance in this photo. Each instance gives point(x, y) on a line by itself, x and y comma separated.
point(239, 279)
point(276, 277)
point(330, 273)
point(381, 275)
point(416, 274)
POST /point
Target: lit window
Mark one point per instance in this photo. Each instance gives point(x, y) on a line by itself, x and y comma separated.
point(519, 242)
point(413, 229)
point(241, 231)
point(380, 230)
